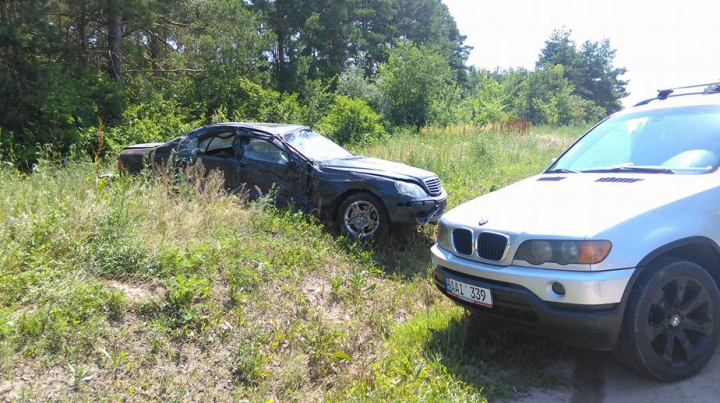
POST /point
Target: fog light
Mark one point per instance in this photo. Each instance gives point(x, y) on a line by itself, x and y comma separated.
point(558, 289)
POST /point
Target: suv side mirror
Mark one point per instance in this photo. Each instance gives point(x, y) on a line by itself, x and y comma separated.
point(291, 164)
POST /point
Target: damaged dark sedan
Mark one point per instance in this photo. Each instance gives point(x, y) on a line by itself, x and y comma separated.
point(363, 196)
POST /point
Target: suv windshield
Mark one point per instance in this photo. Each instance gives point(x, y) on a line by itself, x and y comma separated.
point(315, 146)
point(677, 140)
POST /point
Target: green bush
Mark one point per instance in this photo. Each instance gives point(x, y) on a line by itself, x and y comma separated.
point(351, 121)
point(155, 120)
point(251, 102)
point(354, 84)
point(414, 81)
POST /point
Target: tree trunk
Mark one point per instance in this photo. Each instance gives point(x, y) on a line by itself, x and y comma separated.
point(114, 39)
point(82, 33)
point(280, 32)
point(4, 11)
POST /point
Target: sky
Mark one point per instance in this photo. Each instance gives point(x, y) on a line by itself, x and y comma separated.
point(662, 43)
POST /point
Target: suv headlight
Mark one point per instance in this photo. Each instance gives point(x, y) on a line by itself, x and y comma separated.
point(443, 236)
point(410, 189)
point(537, 252)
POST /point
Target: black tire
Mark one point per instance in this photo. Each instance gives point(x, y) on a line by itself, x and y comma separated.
point(375, 215)
point(671, 325)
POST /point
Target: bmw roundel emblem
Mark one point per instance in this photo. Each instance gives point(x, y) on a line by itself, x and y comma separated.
point(483, 221)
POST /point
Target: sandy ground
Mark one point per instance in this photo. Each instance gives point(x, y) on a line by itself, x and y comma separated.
point(595, 377)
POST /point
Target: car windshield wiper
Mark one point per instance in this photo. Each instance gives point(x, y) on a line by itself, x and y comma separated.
point(561, 171)
point(634, 168)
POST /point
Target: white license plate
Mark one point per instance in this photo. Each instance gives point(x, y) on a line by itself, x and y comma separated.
point(476, 295)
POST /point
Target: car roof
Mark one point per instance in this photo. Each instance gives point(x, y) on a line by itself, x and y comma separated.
point(669, 98)
point(277, 129)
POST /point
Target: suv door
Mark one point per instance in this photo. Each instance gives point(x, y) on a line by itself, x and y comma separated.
point(266, 164)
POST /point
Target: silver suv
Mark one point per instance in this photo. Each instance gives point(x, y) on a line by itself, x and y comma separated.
point(613, 247)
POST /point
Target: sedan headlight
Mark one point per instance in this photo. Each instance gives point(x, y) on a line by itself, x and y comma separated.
point(410, 189)
point(537, 252)
point(443, 235)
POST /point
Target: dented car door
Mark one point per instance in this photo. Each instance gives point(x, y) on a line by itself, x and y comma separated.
point(268, 166)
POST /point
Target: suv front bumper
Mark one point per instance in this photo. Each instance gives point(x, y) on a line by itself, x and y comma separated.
point(589, 316)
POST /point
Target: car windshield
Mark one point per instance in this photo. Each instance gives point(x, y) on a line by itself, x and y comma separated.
point(315, 146)
point(679, 140)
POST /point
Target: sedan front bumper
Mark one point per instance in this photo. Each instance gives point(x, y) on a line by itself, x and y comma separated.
point(420, 211)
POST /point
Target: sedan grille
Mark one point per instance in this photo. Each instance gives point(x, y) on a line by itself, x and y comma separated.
point(462, 240)
point(433, 185)
point(491, 246)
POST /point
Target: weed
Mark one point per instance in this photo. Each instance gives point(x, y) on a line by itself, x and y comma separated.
point(249, 360)
point(80, 376)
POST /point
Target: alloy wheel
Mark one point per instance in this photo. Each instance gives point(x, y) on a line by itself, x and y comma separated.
point(680, 322)
point(362, 219)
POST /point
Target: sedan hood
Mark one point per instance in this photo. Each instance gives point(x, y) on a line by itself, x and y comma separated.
point(376, 166)
point(144, 145)
point(576, 205)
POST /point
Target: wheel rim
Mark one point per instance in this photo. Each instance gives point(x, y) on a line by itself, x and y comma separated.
point(680, 322)
point(362, 219)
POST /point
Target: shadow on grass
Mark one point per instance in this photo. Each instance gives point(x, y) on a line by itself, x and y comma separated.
point(488, 355)
point(404, 251)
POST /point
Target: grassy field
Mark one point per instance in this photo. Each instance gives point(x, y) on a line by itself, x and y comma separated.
point(146, 289)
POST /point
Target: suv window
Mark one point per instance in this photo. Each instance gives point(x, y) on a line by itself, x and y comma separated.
point(684, 140)
point(262, 150)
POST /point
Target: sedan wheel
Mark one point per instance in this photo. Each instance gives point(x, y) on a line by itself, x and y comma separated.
point(362, 216)
point(361, 219)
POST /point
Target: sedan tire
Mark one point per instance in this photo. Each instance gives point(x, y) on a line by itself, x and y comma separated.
point(362, 216)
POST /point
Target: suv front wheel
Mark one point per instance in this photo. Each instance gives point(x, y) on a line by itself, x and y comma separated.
point(671, 325)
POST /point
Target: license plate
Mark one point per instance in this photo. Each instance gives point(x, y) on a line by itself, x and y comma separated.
point(476, 295)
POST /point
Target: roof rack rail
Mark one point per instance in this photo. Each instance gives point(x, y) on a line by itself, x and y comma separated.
point(666, 93)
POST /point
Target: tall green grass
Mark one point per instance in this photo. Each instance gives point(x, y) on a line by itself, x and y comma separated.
point(471, 161)
point(164, 288)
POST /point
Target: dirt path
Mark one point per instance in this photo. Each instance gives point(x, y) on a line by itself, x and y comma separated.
point(595, 377)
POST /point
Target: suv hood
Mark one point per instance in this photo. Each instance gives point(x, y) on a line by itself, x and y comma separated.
point(376, 166)
point(577, 206)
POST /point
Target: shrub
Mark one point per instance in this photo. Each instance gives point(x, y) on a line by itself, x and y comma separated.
point(412, 81)
point(354, 84)
point(351, 121)
point(252, 102)
point(155, 120)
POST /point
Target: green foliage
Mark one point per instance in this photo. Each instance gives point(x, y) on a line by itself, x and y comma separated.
point(415, 80)
point(67, 319)
point(489, 103)
point(546, 97)
point(590, 69)
point(249, 360)
point(354, 84)
point(154, 120)
point(251, 102)
point(351, 121)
